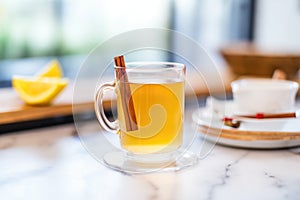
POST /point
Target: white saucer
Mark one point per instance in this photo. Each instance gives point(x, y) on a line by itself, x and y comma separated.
point(252, 133)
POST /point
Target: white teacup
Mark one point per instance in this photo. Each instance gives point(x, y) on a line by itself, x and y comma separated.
point(264, 95)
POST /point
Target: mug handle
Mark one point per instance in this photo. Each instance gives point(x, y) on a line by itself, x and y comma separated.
point(111, 126)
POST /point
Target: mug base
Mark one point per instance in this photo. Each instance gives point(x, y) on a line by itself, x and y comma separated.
point(140, 164)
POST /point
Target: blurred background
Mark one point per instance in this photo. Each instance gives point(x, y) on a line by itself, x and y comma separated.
point(32, 32)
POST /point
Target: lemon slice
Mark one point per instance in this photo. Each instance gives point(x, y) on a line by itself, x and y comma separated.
point(38, 91)
point(53, 69)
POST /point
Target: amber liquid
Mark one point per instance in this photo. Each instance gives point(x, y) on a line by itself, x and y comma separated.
point(159, 110)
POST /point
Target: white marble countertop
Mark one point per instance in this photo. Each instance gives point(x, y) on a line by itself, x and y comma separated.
point(51, 163)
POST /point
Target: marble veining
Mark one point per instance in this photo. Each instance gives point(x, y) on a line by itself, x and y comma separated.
point(51, 163)
point(225, 176)
point(276, 181)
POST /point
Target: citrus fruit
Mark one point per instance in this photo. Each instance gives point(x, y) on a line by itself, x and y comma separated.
point(37, 90)
point(52, 69)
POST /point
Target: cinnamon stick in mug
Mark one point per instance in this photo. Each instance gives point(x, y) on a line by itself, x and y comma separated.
point(125, 93)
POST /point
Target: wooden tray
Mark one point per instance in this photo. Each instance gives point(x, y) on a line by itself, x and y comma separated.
point(248, 135)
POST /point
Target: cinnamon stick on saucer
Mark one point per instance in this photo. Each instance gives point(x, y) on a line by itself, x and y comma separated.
point(268, 116)
point(125, 93)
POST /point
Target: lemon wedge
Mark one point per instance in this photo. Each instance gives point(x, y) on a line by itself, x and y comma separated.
point(52, 69)
point(37, 90)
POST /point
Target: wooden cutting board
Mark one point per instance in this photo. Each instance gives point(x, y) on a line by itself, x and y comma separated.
point(13, 109)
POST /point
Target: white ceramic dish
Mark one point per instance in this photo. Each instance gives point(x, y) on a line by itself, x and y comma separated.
point(266, 133)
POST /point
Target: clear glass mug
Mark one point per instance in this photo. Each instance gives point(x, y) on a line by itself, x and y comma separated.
point(150, 107)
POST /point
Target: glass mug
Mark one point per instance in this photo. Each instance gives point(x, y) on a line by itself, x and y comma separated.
point(150, 119)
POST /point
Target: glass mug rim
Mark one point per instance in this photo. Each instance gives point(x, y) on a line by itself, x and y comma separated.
point(149, 66)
